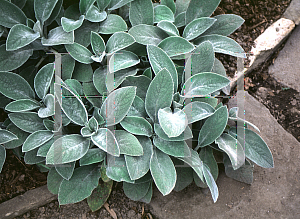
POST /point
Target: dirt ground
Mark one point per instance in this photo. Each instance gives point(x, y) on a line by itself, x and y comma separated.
point(284, 105)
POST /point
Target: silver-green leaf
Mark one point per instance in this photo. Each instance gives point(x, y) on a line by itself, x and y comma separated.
point(79, 53)
point(141, 12)
point(36, 139)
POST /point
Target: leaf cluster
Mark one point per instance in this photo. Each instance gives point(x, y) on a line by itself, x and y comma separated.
point(134, 101)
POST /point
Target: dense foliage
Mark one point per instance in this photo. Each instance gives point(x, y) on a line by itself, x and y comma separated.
point(136, 96)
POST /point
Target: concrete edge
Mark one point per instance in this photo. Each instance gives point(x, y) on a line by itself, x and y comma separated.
point(24, 203)
point(266, 44)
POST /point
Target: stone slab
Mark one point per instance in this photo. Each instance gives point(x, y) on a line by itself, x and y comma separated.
point(23, 203)
point(286, 68)
point(293, 11)
point(274, 193)
point(269, 41)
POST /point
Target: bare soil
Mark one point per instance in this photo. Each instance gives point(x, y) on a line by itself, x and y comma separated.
point(283, 103)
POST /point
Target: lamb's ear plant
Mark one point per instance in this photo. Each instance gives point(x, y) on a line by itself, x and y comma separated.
point(136, 95)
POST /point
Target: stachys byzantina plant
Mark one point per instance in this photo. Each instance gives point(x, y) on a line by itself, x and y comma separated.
point(136, 87)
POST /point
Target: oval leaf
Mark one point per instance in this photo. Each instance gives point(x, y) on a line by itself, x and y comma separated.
point(117, 104)
point(137, 125)
point(128, 143)
point(186, 134)
point(173, 123)
point(255, 147)
point(79, 53)
point(11, 14)
point(98, 44)
point(159, 60)
point(47, 111)
point(94, 15)
point(196, 111)
point(233, 149)
point(36, 139)
point(169, 28)
point(175, 45)
point(11, 60)
point(197, 27)
point(123, 59)
point(213, 127)
point(159, 94)
point(163, 172)
point(22, 105)
point(106, 141)
point(43, 80)
point(203, 84)
point(141, 12)
point(117, 170)
point(118, 41)
point(136, 191)
point(146, 34)
point(84, 180)
point(70, 24)
point(6, 136)
point(67, 149)
point(43, 9)
point(225, 25)
point(223, 44)
point(20, 36)
point(27, 121)
point(200, 8)
point(163, 13)
point(113, 23)
point(138, 166)
point(173, 148)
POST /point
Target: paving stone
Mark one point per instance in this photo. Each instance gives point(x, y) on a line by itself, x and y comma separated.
point(23, 203)
point(275, 192)
point(293, 12)
point(286, 68)
point(269, 41)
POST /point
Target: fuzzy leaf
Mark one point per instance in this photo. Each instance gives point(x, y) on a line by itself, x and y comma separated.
point(98, 44)
point(175, 45)
point(163, 13)
point(36, 139)
point(19, 133)
point(141, 12)
point(203, 84)
point(200, 8)
point(121, 60)
point(22, 105)
point(15, 87)
point(207, 156)
point(197, 27)
point(6, 136)
point(31, 157)
point(163, 172)
point(118, 41)
point(211, 183)
point(146, 34)
point(180, 20)
point(173, 148)
point(255, 147)
point(222, 44)
point(27, 121)
point(58, 36)
point(117, 104)
point(94, 155)
point(79, 53)
point(233, 149)
point(117, 170)
point(102, 4)
point(128, 143)
point(85, 5)
point(11, 60)
point(80, 186)
point(138, 166)
point(213, 127)
point(47, 111)
point(186, 134)
point(159, 60)
point(113, 23)
point(43, 9)
point(105, 140)
point(20, 36)
point(94, 15)
point(225, 25)
point(11, 14)
point(67, 149)
point(159, 94)
point(169, 28)
point(173, 123)
point(170, 4)
point(141, 82)
point(115, 4)
point(137, 125)
point(43, 80)
point(136, 191)
point(53, 181)
point(196, 111)
point(70, 24)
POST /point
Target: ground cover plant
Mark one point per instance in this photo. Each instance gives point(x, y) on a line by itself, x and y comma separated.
point(136, 96)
